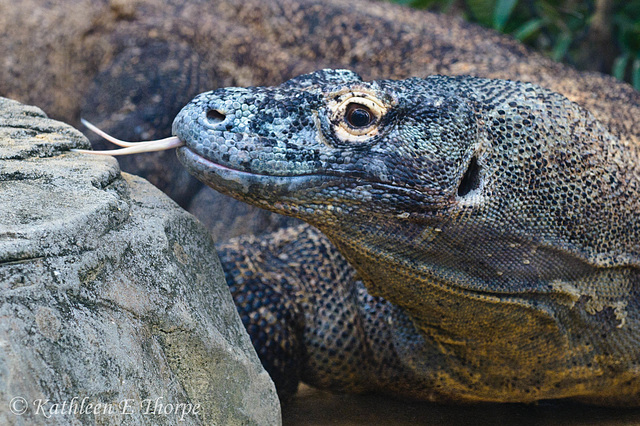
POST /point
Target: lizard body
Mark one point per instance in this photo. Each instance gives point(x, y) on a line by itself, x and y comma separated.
point(493, 225)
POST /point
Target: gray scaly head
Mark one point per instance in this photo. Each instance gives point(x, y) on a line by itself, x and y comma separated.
point(327, 146)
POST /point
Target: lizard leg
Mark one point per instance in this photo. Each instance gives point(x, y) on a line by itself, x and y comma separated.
point(298, 298)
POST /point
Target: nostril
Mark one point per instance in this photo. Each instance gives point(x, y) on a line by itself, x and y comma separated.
point(215, 117)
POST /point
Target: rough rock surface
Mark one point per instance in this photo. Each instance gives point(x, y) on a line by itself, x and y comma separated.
point(110, 294)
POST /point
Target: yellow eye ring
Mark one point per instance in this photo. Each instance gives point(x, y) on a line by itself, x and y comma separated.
point(356, 116)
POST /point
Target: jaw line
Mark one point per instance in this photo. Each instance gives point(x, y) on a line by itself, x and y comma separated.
point(230, 181)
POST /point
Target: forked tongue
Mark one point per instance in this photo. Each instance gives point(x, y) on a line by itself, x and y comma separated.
point(130, 147)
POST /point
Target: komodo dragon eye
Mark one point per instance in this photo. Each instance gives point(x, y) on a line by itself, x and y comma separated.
point(356, 116)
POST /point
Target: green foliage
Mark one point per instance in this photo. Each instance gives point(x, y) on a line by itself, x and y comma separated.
point(602, 35)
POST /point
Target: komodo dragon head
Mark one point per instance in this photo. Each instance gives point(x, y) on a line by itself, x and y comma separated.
point(503, 218)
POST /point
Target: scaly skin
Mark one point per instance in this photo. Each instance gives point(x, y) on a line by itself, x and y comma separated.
point(494, 225)
point(130, 66)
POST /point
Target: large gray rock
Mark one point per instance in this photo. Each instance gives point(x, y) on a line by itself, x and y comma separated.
point(110, 295)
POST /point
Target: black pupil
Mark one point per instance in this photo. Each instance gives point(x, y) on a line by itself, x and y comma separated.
point(359, 116)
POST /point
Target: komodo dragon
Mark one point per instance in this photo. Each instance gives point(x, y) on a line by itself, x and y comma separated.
point(493, 225)
point(131, 65)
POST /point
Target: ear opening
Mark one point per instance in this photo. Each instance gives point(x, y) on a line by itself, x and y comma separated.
point(471, 179)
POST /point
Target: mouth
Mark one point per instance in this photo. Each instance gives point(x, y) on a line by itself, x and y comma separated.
point(230, 181)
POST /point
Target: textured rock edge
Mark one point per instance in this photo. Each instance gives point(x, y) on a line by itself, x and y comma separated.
point(111, 292)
